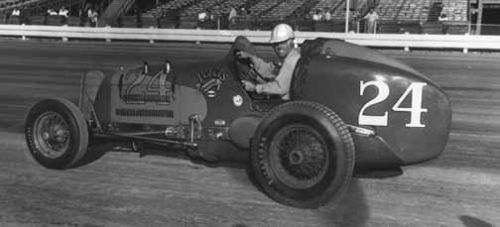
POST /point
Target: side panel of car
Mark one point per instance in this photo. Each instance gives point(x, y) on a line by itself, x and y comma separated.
point(409, 113)
point(130, 102)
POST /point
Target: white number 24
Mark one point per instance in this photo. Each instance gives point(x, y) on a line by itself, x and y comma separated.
point(416, 110)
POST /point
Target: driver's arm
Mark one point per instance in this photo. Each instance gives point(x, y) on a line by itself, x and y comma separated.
point(265, 69)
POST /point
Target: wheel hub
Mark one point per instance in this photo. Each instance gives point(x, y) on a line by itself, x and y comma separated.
point(51, 134)
point(299, 156)
point(296, 157)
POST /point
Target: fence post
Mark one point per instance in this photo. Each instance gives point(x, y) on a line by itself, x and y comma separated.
point(65, 39)
point(23, 37)
point(407, 48)
point(198, 42)
point(151, 41)
point(108, 39)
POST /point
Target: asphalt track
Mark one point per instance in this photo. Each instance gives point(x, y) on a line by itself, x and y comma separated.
point(460, 188)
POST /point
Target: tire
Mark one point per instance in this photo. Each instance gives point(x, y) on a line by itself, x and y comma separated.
point(302, 155)
point(56, 133)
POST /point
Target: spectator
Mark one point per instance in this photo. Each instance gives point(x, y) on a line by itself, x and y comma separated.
point(51, 12)
point(92, 15)
point(372, 18)
point(444, 27)
point(16, 12)
point(202, 16)
point(232, 15)
point(316, 15)
point(327, 15)
point(81, 15)
point(321, 14)
point(442, 17)
point(210, 15)
point(64, 14)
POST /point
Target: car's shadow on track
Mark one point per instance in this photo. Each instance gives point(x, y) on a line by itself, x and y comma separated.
point(100, 146)
point(349, 210)
point(95, 151)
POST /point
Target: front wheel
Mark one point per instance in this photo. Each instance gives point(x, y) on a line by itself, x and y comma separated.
point(56, 133)
point(302, 154)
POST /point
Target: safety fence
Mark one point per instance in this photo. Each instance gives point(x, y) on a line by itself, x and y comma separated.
point(404, 41)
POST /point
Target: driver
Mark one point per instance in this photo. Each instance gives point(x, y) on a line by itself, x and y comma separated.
point(282, 38)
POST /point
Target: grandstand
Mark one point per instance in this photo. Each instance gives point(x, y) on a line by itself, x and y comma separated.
point(327, 4)
point(33, 11)
point(403, 10)
point(263, 6)
point(394, 15)
point(456, 10)
point(340, 12)
point(7, 5)
point(169, 7)
point(284, 9)
point(225, 6)
point(388, 10)
point(200, 6)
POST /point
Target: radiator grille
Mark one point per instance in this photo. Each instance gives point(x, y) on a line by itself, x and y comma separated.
point(143, 98)
point(144, 113)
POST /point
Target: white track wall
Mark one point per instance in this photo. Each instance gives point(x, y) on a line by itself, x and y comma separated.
point(406, 41)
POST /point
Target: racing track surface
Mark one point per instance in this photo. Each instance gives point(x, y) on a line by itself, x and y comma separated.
point(461, 188)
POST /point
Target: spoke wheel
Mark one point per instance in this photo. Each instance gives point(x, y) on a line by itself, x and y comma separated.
point(56, 133)
point(302, 155)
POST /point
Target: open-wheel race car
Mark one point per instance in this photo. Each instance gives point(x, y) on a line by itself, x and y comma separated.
point(353, 112)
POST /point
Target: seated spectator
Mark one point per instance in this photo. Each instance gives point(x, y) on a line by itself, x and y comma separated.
point(444, 27)
point(442, 17)
point(321, 14)
point(202, 16)
point(327, 16)
point(210, 15)
point(51, 12)
point(16, 12)
point(316, 15)
point(64, 12)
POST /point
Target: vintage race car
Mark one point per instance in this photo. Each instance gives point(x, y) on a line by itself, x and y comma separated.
point(353, 112)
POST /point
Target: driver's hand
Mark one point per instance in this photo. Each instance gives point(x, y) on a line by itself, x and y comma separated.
point(244, 55)
point(249, 86)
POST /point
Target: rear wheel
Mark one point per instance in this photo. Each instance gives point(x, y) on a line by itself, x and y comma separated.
point(302, 154)
point(56, 133)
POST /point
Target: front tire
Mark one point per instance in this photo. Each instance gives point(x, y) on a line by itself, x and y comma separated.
point(56, 133)
point(302, 154)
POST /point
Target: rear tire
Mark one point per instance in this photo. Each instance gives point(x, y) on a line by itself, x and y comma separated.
point(56, 133)
point(302, 154)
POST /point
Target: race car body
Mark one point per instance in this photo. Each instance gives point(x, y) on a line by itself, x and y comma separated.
point(352, 110)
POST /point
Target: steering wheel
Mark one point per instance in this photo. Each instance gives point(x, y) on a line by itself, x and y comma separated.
point(246, 69)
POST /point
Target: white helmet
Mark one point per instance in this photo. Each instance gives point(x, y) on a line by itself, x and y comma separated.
point(281, 32)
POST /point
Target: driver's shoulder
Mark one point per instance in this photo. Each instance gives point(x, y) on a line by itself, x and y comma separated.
point(295, 52)
point(294, 55)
